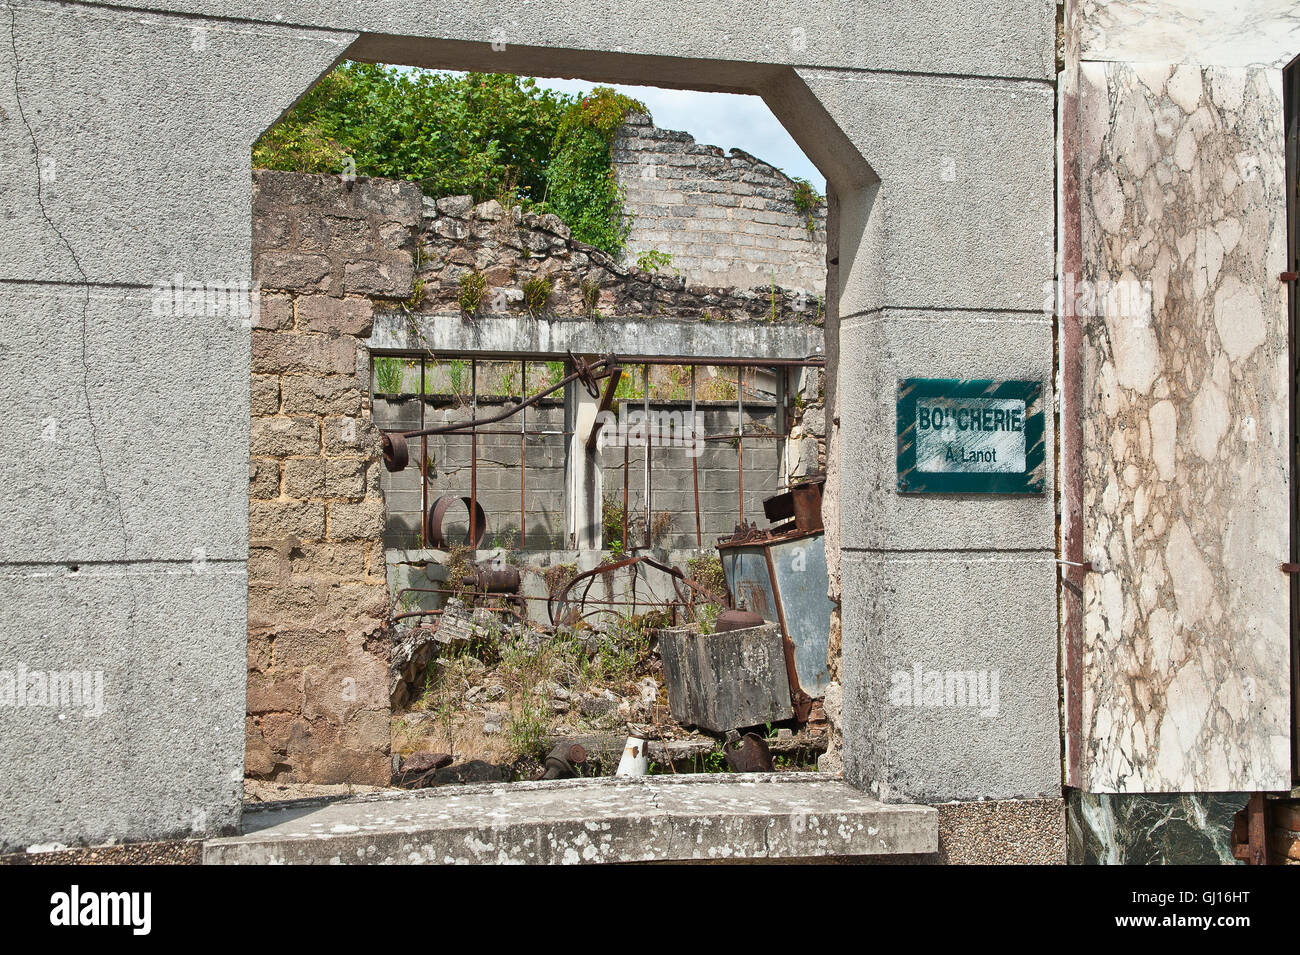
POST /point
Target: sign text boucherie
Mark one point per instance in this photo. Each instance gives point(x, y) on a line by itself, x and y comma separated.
point(970, 436)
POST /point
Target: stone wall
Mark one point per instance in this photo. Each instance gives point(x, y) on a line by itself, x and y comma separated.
point(324, 250)
point(510, 247)
point(727, 219)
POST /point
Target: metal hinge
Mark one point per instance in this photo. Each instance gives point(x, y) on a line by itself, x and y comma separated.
point(1289, 568)
point(1288, 276)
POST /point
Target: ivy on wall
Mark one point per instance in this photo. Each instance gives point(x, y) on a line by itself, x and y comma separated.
point(583, 190)
point(487, 135)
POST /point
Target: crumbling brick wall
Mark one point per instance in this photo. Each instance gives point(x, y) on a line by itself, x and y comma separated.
point(727, 219)
point(324, 251)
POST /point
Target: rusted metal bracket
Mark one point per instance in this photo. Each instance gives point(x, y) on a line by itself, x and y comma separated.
point(1250, 832)
point(1288, 276)
point(1287, 568)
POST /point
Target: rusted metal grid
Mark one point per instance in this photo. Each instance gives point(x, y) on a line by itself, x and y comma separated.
point(608, 369)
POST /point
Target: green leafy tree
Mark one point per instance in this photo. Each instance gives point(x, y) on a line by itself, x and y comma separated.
point(488, 135)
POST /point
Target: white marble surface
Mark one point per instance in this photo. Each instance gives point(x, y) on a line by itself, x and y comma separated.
point(1262, 33)
point(1185, 675)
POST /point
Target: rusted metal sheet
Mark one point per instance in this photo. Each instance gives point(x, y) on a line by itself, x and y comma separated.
point(783, 578)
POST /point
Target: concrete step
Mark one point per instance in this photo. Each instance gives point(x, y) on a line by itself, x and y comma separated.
point(644, 819)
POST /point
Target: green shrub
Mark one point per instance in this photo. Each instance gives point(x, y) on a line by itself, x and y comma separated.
point(472, 287)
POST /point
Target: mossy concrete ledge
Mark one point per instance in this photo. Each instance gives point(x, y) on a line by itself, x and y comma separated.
point(645, 819)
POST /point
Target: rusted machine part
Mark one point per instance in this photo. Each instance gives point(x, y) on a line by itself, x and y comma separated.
point(561, 762)
point(491, 579)
point(680, 579)
point(748, 754)
point(730, 620)
point(433, 522)
point(396, 455)
point(590, 375)
point(802, 502)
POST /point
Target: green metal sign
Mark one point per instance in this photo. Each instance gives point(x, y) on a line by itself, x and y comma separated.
point(970, 436)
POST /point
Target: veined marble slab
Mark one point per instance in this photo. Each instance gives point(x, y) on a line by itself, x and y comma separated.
point(1256, 33)
point(1185, 682)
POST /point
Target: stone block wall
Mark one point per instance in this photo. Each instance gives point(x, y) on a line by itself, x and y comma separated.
point(324, 250)
point(727, 219)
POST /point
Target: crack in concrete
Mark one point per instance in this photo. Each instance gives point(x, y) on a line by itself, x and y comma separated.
point(128, 690)
point(84, 285)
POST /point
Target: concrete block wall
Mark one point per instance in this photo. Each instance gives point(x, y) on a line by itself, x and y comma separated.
point(324, 251)
point(726, 219)
point(673, 478)
point(498, 474)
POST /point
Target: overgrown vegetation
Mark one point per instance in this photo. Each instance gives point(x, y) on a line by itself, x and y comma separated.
point(472, 287)
point(581, 186)
point(652, 260)
point(487, 135)
point(807, 200)
point(389, 375)
point(537, 293)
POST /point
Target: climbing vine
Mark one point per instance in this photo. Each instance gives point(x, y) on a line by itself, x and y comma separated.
point(581, 186)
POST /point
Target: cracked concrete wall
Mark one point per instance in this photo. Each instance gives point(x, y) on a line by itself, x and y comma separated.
point(124, 469)
point(113, 187)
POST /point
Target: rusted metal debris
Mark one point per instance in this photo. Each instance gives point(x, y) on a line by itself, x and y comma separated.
point(474, 534)
point(730, 620)
point(1250, 832)
point(588, 374)
point(747, 754)
point(686, 589)
point(759, 565)
point(563, 761)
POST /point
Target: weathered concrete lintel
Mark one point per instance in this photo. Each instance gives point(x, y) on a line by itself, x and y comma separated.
point(647, 819)
point(633, 338)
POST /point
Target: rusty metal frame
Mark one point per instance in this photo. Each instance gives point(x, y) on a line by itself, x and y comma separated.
point(609, 367)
